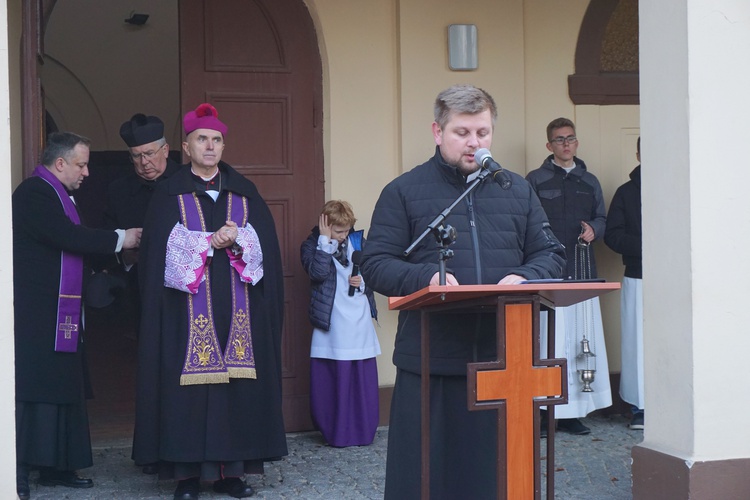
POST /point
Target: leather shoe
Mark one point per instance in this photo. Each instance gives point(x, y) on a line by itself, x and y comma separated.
point(637, 422)
point(188, 489)
point(67, 478)
point(23, 491)
point(151, 469)
point(573, 426)
point(234, 487)
point(22, 483)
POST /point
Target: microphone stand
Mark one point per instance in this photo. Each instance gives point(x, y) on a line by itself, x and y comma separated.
point(446, 235)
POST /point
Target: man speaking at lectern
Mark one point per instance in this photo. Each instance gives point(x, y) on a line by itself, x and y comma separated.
point(503, 238)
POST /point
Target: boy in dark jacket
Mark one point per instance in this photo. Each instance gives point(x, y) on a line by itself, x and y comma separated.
point(572, 199)
point(343, 369)
point(623, 235)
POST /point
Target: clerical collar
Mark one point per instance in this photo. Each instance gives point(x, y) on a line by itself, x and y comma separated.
point(472, 176)
point(211, 185)
point(207, 179)
point(149, 183)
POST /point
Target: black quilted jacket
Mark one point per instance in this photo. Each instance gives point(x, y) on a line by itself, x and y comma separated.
point(568, 199)
point(500, 232)
point(321, 269)
point(623, 234)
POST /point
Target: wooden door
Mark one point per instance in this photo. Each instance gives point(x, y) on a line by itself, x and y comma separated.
point(34, 17)
point(257, 61)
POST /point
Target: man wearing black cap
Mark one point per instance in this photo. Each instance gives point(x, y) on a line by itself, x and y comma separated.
point(128, 197)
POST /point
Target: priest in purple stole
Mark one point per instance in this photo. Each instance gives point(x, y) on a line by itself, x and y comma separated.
point(49, 243)
point(208, 401)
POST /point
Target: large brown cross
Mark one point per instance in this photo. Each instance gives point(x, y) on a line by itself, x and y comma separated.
point(517, 382)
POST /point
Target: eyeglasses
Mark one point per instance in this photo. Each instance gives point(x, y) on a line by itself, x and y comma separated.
point(564, 140)
point(148, 155)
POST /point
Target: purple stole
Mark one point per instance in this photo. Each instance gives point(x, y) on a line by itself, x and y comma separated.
point(204, 361)
point(71, 275)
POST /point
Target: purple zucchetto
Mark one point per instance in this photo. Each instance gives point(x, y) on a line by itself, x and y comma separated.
point(204, 116)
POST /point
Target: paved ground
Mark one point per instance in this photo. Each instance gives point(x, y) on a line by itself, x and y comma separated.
point(593, 467)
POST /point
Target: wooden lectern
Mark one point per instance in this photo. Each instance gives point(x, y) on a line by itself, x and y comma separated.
point(517, 383)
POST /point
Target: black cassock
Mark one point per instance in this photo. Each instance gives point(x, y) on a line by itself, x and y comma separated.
point(128, 198)
point(51, 387)
point(197, 427)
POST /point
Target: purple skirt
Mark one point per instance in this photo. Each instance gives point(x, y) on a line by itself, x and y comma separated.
point(344, 400)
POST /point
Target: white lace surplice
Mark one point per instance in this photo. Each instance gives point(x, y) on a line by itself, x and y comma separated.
point(187, 252)
point(186, 258)
point(249, 264)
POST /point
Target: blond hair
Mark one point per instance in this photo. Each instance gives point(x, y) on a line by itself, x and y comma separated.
point(339, 212)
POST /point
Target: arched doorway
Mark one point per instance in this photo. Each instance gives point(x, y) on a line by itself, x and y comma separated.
point(267, 83)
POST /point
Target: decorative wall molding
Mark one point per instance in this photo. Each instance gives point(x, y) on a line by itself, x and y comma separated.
point(606, 59)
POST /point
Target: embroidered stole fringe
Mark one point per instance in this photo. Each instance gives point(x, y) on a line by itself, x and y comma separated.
point(204, 361)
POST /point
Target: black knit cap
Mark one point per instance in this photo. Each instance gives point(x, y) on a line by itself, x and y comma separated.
point(141, 129)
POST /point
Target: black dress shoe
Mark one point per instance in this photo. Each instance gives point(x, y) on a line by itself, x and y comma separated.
point(23, 491)
point(67, 478)
point(151, 469)
point(234, 487)
point(188, 489)
point(22, 483)
point(573, 426)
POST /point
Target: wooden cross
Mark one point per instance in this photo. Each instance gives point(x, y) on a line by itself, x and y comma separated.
point(515, 383)
point(68, 327)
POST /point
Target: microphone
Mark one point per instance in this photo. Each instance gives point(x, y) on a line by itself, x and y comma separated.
point(484, 159)
point(356, 261)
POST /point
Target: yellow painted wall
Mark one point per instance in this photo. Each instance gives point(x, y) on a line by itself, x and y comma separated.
point(425, 71)
point(359, 51)
point(384, 64)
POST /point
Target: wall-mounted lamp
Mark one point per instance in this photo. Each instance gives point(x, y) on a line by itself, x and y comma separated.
point(462, 47)
point(137, 19)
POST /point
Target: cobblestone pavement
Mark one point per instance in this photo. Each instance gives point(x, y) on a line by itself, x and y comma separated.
point(597, 466)
point(593, 467)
